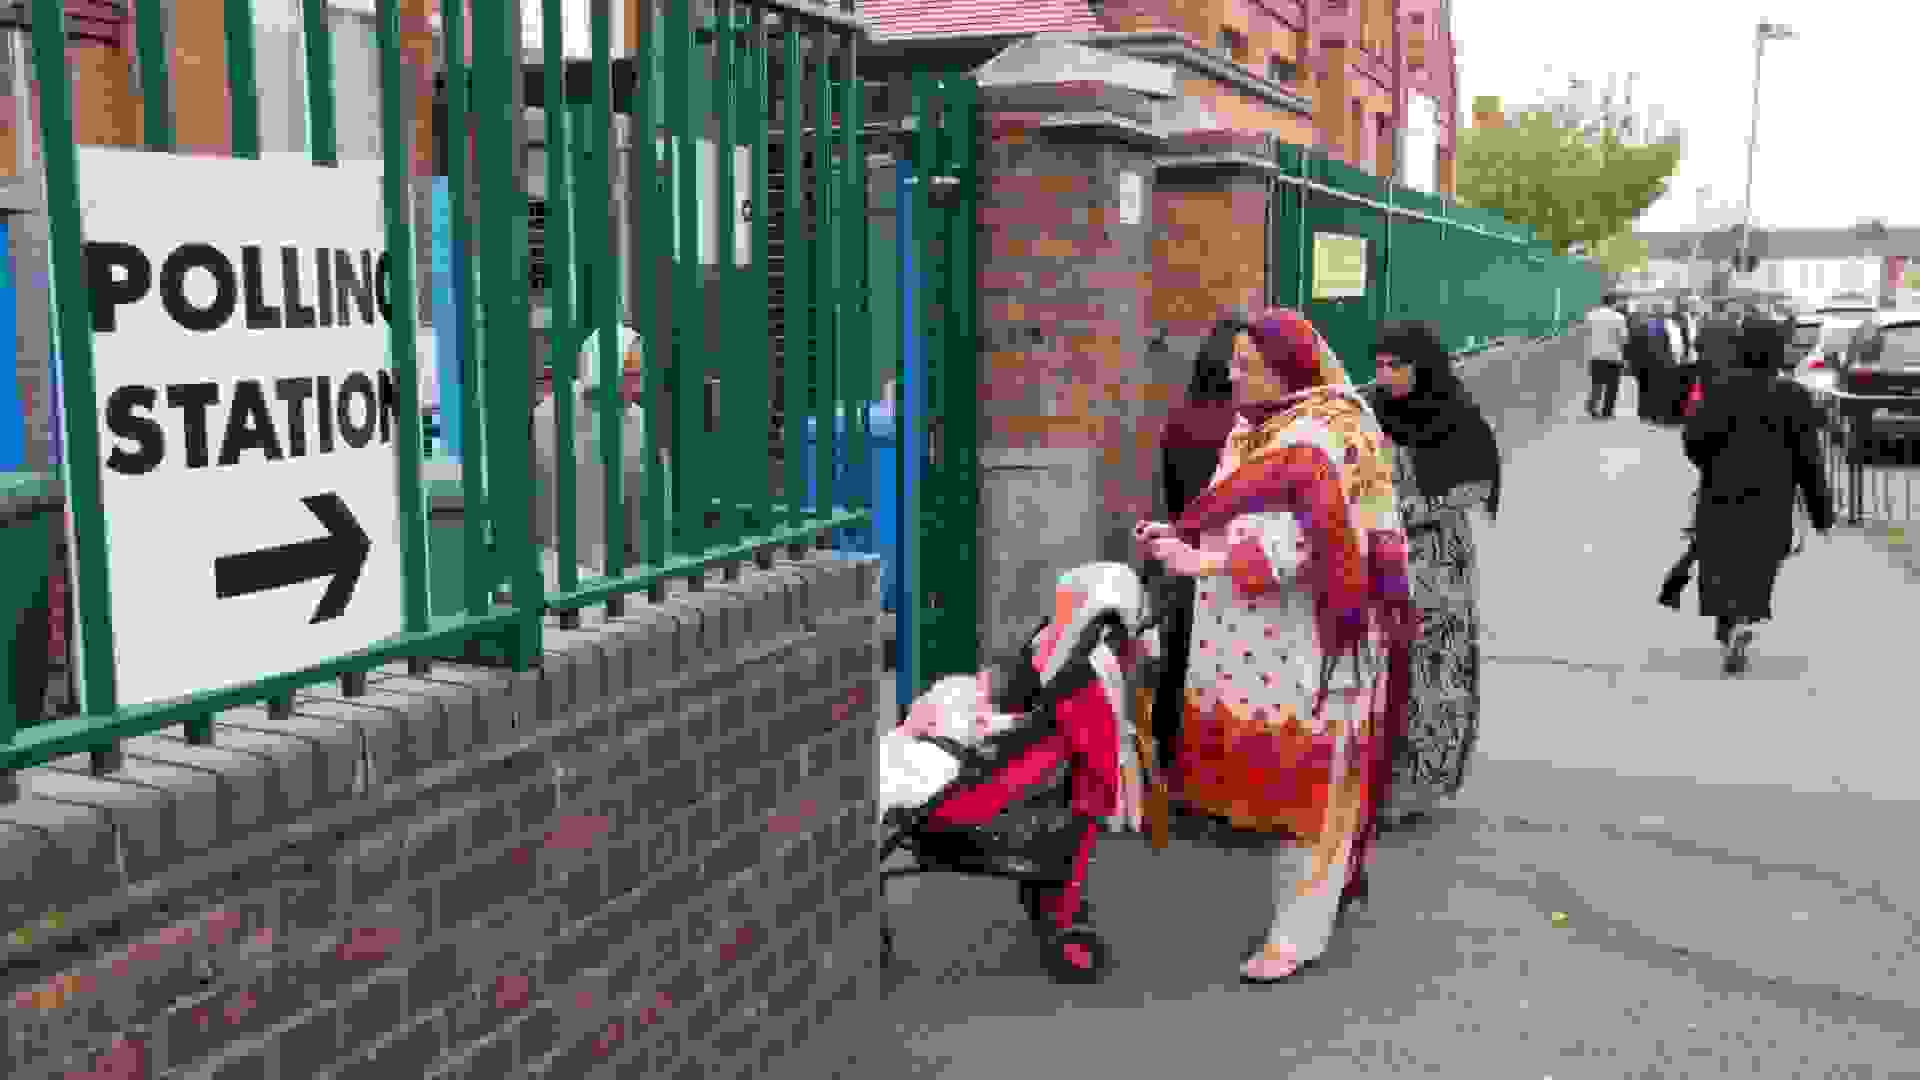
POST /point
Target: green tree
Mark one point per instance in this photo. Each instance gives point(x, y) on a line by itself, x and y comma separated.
point(1622, 253)
point(1570, 185)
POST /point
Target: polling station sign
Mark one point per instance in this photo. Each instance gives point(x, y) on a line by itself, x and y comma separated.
point(247, 416)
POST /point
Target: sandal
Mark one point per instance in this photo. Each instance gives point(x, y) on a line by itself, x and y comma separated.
point(1273, 963)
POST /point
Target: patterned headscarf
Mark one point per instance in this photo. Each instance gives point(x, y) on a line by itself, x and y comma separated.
point(1292, 351)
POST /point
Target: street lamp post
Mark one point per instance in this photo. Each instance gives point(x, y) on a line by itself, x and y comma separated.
point(1699, 234)
point(1764, 32)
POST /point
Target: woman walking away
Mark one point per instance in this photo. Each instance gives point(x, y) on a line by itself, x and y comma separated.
point(1754, 441)
point(1189, 450)
point(1445, 461)
point(1301, 624)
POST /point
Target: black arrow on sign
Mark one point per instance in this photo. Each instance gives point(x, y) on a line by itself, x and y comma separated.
point(341, 554)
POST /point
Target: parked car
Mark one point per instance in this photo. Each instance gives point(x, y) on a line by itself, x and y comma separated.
point(1881, 359)
point(1837, 325)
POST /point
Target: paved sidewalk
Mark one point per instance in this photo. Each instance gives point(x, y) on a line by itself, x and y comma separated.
point(1590, 523)
point(1733, 858)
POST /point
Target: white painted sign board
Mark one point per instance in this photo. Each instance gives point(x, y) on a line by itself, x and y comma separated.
point(244, 448)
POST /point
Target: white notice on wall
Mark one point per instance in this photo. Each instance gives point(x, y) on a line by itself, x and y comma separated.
point(248, 420)
point(1133, 198)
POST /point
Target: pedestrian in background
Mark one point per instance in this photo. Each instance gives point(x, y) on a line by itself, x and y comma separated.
point(1646, 346)
point(1690, 318)
point(1671, 378)
point(1189, 452)
point(1446, 461)
point(1716, 343)
point(1755, 443)
point(1606, 338)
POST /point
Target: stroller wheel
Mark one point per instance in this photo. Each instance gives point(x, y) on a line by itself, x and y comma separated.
point(1030, 895)
point(1076, 956)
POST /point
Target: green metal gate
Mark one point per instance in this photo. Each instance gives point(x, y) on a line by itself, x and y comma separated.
point(940, 514)
point(710, 330)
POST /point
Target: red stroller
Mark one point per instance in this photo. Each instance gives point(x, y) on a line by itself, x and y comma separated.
point(1028, 803)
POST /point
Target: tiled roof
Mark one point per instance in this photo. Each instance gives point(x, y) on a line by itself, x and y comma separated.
point(964, 18)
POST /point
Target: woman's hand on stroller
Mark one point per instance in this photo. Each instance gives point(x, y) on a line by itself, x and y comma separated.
point(1146, 532)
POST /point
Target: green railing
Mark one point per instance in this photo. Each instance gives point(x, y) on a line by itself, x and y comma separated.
point(1472, 274)
point(704, 331)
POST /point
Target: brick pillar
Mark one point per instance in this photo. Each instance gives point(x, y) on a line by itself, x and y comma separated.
point(1210, 252)
point(1066, 217)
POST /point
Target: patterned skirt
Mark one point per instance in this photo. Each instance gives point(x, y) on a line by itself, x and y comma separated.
point(1443, 710)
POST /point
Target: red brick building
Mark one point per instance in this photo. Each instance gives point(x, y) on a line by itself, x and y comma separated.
point(1369, 69)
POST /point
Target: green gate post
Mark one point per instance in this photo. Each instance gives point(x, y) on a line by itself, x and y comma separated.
point(605, 282)
point(856, 315)
point(724, 342)
point(650, 220)
point(756, 384)
point(563, 340)
point(795, 260)
point(689, 380)
point(824, 297)
point(952, 502)
point(509, 380)
point(82, 443)
point(756, 379)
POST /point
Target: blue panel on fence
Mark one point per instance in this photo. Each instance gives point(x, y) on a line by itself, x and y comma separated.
point(882, 538)
point(13, 417)
point(446, 320)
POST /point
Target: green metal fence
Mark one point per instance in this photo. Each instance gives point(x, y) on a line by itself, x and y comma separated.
point(740, 70)
point(1474, 275)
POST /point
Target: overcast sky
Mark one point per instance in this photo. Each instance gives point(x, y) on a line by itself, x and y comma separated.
point(1839, 106)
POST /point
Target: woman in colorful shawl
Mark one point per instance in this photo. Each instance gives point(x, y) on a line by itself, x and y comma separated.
point(1302, 619)
point(1445, 461)
point(1189, 452)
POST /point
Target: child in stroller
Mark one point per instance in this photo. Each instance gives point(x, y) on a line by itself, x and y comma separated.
point(1036, 755)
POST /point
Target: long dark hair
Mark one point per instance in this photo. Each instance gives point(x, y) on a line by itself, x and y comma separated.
point(1211, 383)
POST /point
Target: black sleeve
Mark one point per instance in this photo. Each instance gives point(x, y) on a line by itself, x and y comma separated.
point(1809, 461)
point(1707, 431)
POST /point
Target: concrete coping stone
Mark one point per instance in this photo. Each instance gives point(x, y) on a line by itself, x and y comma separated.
point(159, 811)
point(257, 786)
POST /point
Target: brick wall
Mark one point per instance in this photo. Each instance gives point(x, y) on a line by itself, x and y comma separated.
point(1210, 254)
point(650, 857)
point(1235, 110)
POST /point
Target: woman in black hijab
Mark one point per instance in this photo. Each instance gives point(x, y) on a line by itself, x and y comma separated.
point(1445, 461)
point(1189, 451)
point(1755, 441)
